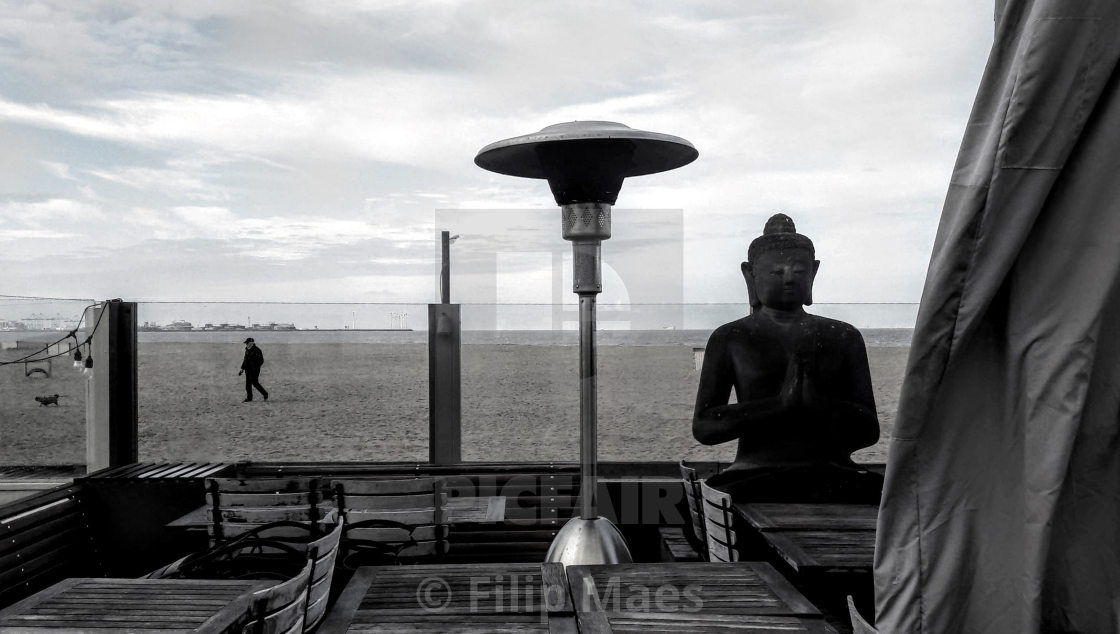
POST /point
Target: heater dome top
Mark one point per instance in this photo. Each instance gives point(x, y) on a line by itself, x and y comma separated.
point(623, 150)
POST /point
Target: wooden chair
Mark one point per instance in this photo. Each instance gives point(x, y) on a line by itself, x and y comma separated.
point(859, 625)
point(281, 608)
point(238, 505)
point(695, 500)
point(719, 524)
point(390, 520)
point(686, 543)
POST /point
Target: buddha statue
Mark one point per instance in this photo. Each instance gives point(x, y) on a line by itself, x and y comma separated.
point(802, 385)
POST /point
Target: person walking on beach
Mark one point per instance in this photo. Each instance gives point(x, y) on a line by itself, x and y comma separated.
point(251, 368)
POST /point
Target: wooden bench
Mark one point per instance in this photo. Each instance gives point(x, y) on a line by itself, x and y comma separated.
point(45, 538)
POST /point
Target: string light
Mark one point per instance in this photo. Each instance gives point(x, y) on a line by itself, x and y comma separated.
point(32, 357)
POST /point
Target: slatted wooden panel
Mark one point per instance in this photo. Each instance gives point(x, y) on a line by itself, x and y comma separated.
point(690, 597)
point(244, 502)
point(837, 517)
point(537, 505)
point(44, 538)
point(160, 471)
point(135, 605)
point(281, 608)
point(416, 502)
point(815, 551)
point(464, 598)
point(323, 553)
point(695, 501)
point(675, 545)
point(719, 517)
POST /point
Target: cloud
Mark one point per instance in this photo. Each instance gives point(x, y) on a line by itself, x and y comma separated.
point(292, 136)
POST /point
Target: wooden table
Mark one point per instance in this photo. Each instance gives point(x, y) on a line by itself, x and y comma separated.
point(155, 606)
point(474, 598)
point(690, 597)
point(817, 537)
point(458, 510)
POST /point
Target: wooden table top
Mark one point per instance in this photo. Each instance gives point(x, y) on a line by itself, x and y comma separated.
point(474, 598)
point(822, 551)
point(142, 606)
point(458, 510)
point(690, 597)
point(767, 517)
point(815, 538)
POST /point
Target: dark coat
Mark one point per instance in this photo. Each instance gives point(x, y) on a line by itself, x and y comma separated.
point(254, 359)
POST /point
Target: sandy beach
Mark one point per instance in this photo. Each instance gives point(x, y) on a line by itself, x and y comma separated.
point(340, 401)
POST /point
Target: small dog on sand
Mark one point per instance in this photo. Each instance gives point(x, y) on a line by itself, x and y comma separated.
point(47, 400)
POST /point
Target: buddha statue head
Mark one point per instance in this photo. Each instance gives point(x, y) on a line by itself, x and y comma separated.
point(780, 267)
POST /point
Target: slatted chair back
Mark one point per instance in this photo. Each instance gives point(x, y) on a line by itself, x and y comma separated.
point(719, 524)
point(322, 553)
point(695, 500)
point(406, 516)
point(281, 608)
point(238, 505)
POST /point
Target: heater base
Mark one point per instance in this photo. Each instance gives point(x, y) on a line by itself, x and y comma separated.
point(585, 541)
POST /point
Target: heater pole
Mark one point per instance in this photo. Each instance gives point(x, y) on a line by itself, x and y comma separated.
point(588, 408)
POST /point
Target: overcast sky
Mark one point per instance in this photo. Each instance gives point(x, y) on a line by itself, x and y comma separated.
point(281, 151)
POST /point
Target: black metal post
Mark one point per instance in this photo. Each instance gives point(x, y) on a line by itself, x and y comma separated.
point(445, 268)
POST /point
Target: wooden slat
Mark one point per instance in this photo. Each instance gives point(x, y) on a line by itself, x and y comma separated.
point(420, 501)
point(68, 506)
point(31, 534)
point(642, 622)
point(229, 499)
point(421, 533)
point(385, 487)
point(233, 529)
point(411, 517)
point(555, 590)
point(164, 471)
point(262, 485)
point(459, 534)
point(58, 556)
point(262, 515)
point(32, 544)
point(338, 619)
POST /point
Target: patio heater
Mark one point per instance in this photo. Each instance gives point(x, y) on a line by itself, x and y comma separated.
point(585, 163)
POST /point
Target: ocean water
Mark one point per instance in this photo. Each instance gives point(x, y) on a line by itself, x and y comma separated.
point(874, 337)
